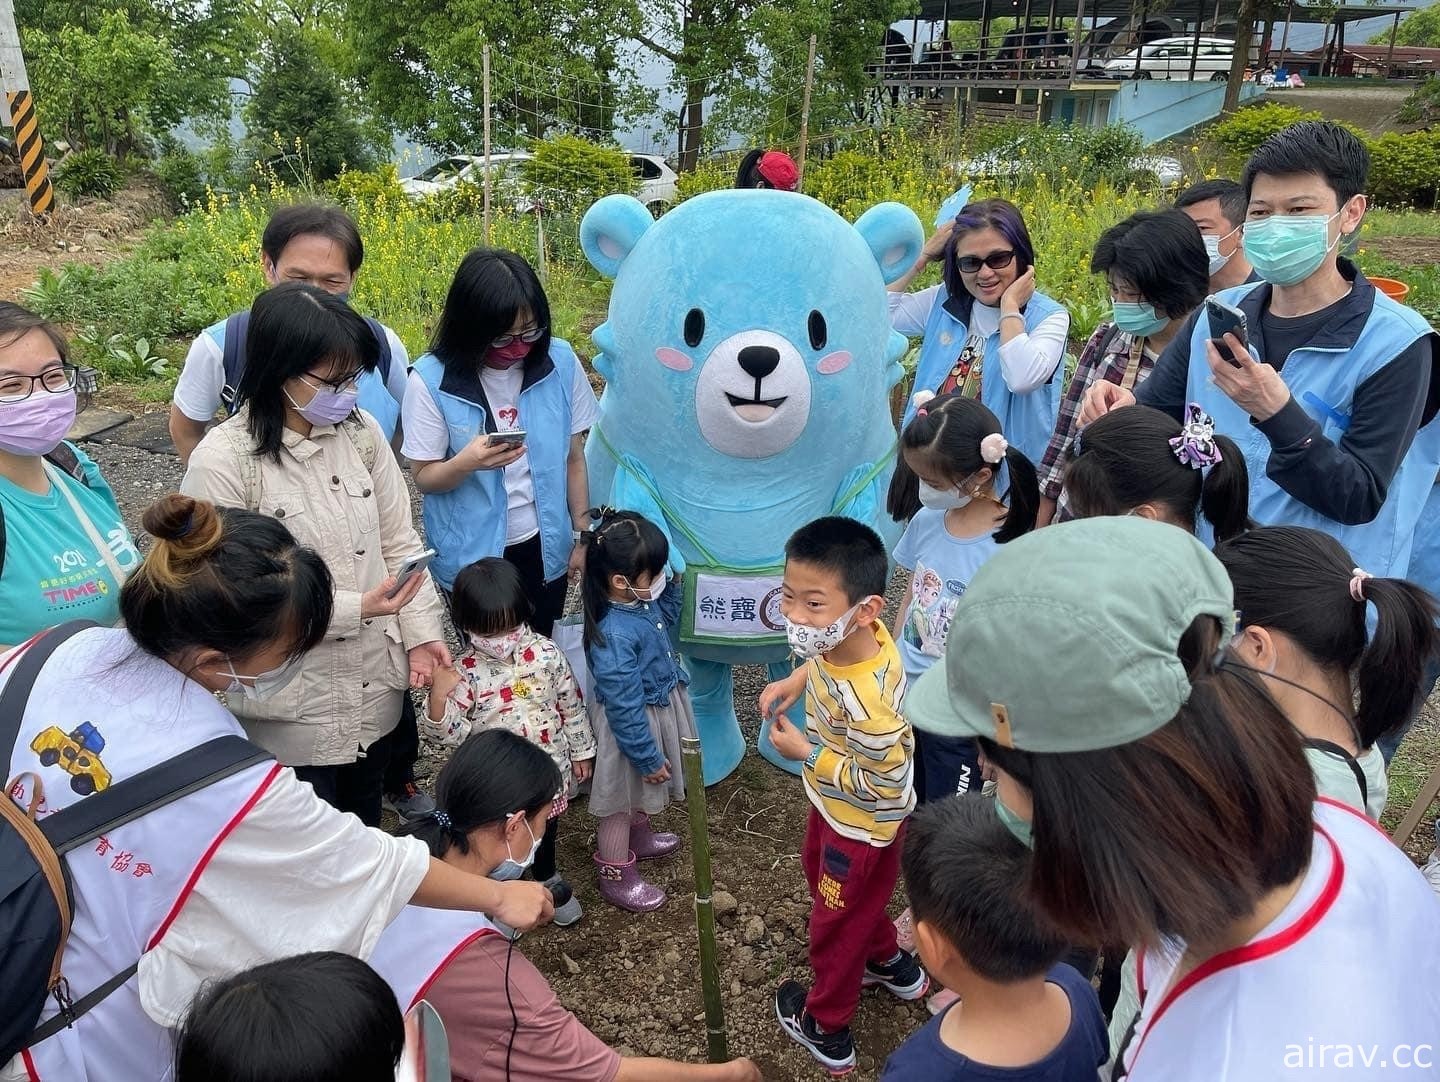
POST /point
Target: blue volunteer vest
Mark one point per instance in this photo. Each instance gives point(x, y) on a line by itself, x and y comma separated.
point(1027, 420)
point(1323, 379)
point(468, 523)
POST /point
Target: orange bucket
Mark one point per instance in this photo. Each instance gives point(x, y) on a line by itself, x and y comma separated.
point(1393, 288)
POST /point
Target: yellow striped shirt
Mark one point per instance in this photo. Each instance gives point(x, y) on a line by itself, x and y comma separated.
point(861, 781)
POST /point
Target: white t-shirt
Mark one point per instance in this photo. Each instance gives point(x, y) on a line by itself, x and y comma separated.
point(427, 437)
point(197, 392)
point(1340, 986)
point(942, 566)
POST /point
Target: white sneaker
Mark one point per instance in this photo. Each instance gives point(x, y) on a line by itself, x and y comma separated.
point(1431, 870)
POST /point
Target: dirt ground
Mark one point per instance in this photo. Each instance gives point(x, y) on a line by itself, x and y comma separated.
point(93, 232)
point(1408, 251)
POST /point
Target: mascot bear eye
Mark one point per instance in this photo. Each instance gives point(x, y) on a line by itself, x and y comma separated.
point(818, 331)
point(694, 327)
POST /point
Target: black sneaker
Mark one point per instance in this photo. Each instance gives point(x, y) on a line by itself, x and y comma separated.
point(833, 1051)
point(902, 975)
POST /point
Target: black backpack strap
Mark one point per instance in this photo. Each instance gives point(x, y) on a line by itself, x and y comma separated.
point(27, 667)
point(386, 358)
point(86, 1003)
point(65, 458)
point(232, 358)
point(1331, 748)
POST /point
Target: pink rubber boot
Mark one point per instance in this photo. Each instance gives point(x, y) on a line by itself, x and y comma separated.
point(621, 886)
point(646, 843)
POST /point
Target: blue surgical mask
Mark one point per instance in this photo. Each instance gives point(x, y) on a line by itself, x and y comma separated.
point(1138, 318)
point(1017, 826)
point(510, 868)
point(1288, 248)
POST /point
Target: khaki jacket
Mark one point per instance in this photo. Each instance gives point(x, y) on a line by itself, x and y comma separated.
point(358, 517)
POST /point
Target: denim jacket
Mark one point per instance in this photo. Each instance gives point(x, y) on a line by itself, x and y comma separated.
point(637, 665)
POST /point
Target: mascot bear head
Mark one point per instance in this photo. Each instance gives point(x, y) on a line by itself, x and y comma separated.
point(748, 354)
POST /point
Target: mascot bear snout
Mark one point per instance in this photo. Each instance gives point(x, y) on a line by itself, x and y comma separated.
point(752, 398)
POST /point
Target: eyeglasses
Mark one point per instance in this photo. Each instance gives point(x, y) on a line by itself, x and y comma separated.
point(534, 334)
point(969, 264)
point(15, 388)
point(344, 383)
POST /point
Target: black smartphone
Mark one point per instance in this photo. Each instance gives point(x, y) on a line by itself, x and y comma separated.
point(1225, 319)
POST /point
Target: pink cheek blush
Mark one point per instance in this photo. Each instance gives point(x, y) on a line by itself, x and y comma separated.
point(833, 362)
point(674, 360)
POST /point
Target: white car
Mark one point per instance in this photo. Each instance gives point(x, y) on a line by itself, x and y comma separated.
point(456, 169)
point(1167, 171)
point(1170, 58)
point(658, 181)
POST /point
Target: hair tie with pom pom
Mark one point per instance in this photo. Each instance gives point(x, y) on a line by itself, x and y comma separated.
point(993, 448)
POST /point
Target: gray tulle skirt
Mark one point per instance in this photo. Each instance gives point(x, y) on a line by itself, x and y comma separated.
point(617, 787)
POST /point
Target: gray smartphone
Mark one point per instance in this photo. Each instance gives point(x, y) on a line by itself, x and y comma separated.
point(514, 437)
point(1226, 319)
point(410, 568)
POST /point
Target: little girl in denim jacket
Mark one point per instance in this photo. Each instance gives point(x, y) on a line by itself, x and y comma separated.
point(641, 708)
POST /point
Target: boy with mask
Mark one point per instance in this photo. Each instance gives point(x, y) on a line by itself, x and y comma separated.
point(1217, 207)
point(1328, 397)
point(858, 778)
point(1025, 1016)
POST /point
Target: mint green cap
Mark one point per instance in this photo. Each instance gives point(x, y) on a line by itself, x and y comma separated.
point(1065, 640)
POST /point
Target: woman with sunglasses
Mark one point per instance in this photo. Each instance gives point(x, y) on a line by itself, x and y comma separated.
point(495, 419)
point(988, 333)
point(298, 449)
point(64, 548)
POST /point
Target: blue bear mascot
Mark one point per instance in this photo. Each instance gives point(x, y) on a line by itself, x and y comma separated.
point(748, 361)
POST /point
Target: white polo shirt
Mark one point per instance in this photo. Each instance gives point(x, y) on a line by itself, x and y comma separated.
point(1343, 985)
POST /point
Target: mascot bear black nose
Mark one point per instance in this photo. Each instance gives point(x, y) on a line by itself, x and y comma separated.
point(759, 361)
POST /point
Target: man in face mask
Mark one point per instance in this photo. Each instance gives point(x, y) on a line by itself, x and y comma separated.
point(1217, 207)
point(1331, 395)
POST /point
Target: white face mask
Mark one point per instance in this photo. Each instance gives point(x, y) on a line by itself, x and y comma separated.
point(942, 499)
point(265, 685)
point(499, 647)
point(807, 642)
point(510, 868)
point(657, 588)
point(1212, 249)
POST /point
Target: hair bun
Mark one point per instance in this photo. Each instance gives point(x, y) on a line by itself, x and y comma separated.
point(187, 528)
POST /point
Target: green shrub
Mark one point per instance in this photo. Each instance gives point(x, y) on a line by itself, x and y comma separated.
point(1405, 169)
point(89, 173)
point(1243, 131)
point(568, 173)
point(182, 175)
point(1423, 105)
point(353, 186)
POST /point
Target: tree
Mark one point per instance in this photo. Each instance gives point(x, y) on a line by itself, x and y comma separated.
point(299, 102)
point(1419, 29)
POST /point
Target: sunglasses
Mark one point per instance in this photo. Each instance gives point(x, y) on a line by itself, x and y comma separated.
point(969, 264)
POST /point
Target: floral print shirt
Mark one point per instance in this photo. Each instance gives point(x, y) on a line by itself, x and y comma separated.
point(533, 693)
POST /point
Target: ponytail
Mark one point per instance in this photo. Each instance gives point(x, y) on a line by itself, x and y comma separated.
point(1022, 498)
point(1225, 492)
point(1303, 584)
point(490, 777)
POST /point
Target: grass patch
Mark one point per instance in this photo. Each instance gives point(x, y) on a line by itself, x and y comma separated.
point(1380, 222)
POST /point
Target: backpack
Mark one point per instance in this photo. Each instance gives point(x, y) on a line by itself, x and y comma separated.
point(63, 458)
point(237, 329)
point(354, 429)
point(36, 899)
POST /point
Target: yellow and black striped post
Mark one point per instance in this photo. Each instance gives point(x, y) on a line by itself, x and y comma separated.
point(19, 112)
point(30, 148)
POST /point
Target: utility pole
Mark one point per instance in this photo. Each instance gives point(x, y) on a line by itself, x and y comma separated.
point(18, 110)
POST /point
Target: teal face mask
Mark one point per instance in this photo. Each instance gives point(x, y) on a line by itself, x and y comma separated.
point(1017, 826)
point(1288, 248)
point(1138, 318)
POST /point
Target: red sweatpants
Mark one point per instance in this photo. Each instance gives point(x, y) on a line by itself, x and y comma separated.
point(850, 886)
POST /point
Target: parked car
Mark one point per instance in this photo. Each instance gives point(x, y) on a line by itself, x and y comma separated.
point(1008, 162)
point(1172, 58)
point(448, 172)
point(658, 182)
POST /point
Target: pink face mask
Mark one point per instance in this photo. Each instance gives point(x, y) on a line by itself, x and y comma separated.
point(36, 425)
point(508, 356)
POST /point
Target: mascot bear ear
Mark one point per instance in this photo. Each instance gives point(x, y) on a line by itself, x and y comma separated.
point(894, 235)
point(611, 229)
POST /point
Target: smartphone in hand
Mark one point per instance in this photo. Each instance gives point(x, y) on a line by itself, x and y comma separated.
point(1226, 319)
point(409, 569)
point(512, 437)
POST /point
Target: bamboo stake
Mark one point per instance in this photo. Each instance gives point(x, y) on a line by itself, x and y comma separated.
point(704, 902)
point(485, 66)
point(805, 115)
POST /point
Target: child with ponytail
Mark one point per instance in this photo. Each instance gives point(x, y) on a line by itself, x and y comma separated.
point(955, 448)
point(641, 707)
point(1303, 629)
point(1138, 461)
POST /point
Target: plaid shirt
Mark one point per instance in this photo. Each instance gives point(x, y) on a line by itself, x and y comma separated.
point(1106, 357)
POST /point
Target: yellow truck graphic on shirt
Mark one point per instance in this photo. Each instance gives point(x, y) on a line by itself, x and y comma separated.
point(77, 753)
